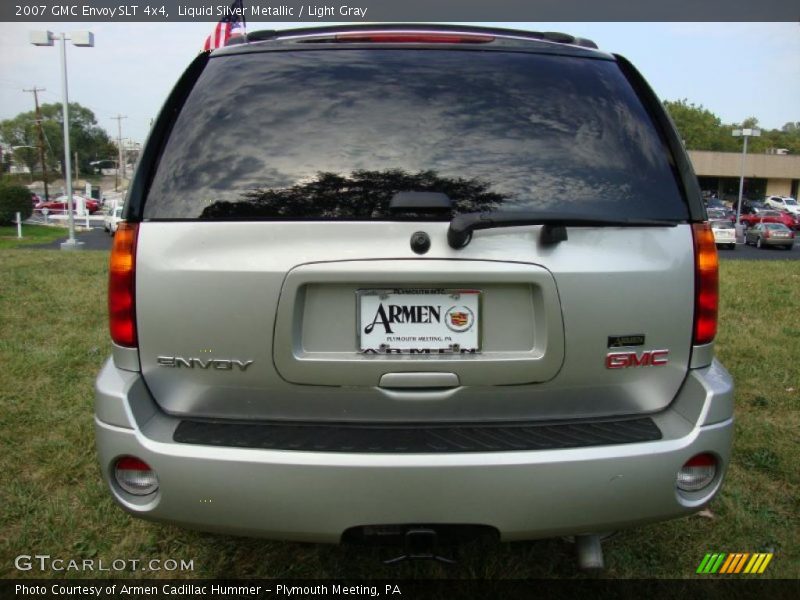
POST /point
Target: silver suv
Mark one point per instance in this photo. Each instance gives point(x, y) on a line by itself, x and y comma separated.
point(405, 281)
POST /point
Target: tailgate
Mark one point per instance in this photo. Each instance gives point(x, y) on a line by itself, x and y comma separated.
point(260, 321)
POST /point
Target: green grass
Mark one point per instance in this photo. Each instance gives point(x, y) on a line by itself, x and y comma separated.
point(31, 234)
point(53, 341)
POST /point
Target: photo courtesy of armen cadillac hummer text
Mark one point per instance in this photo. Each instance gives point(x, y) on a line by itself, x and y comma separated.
point(415, 284)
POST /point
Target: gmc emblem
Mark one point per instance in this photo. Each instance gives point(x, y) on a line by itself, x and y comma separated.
point(648, 358)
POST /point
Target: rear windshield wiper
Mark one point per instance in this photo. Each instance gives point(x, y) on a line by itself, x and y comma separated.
point(554, 231)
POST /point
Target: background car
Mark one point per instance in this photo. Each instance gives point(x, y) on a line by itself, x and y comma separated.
point(721, 214)
point(784, 203)
point(112, 219)
point(724, 233)
point(771, 216)
point(78, 201)
point(716, 203)
point(752, 207)
point(770, 234)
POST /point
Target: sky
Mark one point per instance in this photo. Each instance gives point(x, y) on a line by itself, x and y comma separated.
point(736, 70)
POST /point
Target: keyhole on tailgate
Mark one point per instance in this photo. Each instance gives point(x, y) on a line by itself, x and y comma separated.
point(420, 242)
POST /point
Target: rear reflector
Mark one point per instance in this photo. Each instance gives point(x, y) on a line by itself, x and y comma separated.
point(121, 279)
point(135, 476)
point(706, 291)
point(697, 473)
point(411, 37)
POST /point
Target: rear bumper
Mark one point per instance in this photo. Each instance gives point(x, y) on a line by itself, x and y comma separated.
point(316, 496)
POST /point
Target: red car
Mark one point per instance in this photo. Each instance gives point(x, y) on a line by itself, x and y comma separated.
point(771, 216)
point(59, 205)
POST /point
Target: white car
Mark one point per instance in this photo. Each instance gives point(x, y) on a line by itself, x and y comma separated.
point(784, 203)
point(112, 219)
point(724, 234)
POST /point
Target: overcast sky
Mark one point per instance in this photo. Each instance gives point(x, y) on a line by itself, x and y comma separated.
point(736, 70)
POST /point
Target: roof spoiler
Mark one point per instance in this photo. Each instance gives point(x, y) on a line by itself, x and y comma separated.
point(300, 32)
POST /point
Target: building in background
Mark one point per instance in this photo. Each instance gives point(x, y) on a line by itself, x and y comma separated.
point(764, 174)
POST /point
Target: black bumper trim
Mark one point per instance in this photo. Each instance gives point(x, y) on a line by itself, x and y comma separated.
point(416, 438)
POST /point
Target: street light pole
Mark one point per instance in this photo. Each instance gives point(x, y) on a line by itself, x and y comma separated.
point(79, 38)
point(67, 159)
point(745, 133)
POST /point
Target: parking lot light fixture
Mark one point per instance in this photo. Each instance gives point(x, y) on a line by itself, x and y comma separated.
point(745, 133)
point(83, 39)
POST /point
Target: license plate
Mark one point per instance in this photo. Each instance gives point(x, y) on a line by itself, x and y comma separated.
point(418, 321)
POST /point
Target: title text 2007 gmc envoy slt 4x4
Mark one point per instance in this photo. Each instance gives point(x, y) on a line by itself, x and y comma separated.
point(413, 280)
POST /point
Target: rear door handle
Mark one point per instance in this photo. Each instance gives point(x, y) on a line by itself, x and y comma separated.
point(419, 380)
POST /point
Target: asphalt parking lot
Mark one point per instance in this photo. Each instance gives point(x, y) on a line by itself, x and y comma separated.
point(744, 252)
point(95, 239)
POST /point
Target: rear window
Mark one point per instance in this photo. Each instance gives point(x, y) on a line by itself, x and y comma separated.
point(334, 134)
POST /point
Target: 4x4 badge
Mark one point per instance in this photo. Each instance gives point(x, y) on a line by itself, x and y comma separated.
point(622, 341)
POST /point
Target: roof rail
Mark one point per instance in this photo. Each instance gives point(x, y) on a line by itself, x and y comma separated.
point(548, 36)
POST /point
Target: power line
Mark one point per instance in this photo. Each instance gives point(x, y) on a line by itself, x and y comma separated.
point(121, 164)
point(35, 91)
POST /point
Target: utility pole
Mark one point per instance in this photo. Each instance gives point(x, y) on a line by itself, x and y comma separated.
point(35, 92)
point(121, 163)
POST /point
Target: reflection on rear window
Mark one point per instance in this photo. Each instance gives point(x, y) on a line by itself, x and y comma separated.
point(335, 134)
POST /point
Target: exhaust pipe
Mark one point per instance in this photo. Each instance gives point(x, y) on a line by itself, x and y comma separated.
point(590, 552)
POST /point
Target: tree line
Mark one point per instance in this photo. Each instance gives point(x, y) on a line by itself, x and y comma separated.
point(87, 139)
point(701, 129)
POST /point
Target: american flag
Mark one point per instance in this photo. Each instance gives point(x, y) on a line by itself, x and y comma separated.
point(230, 25)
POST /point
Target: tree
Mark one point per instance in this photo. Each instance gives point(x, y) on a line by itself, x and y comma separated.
point(790, 137)
point(14, 199)
point(750, 123)
point(90, 141)
point(699, 128)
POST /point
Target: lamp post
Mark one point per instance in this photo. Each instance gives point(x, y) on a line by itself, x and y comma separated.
point(83, 39)
point(745, 133)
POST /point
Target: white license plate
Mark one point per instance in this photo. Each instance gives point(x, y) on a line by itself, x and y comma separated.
point(419, 321)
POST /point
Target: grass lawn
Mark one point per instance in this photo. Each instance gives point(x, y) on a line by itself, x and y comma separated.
point(53, 341)
point(31, 234)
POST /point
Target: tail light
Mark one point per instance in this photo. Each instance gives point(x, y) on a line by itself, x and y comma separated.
point(697, 472)
point(706, 299)
point(135, 476)
point(121, 280)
